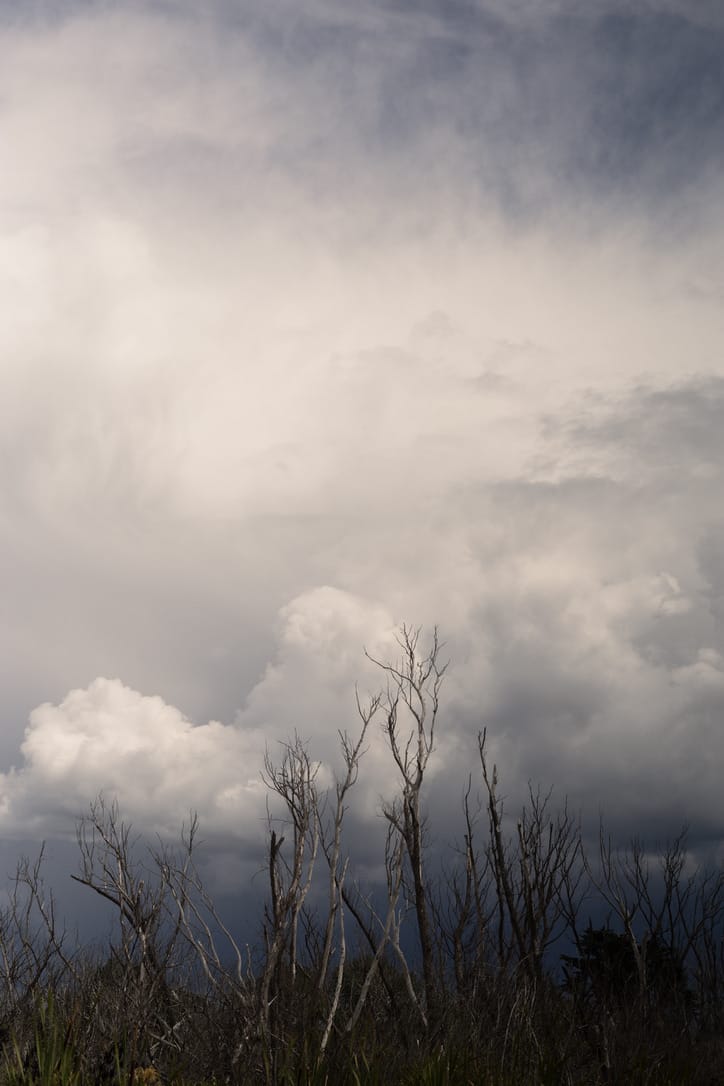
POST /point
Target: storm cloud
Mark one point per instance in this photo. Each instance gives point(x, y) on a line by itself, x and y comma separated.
point(320, 318)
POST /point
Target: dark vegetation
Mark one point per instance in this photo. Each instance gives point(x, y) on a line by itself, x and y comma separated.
point(509, 980)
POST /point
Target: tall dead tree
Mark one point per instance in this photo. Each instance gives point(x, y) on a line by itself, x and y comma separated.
point(537, 875)
point(352, 752)
point(293, 781)
point(411, 707)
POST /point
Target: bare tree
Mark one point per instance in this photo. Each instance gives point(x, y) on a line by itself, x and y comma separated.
point(352, 752)
point(225, 1018)
point(293, 780)
point(413, 694)
point(146, 953)
point(465, 908)
point(33, 952)
point(381, 933)
point(659, 905)
point(537, 875)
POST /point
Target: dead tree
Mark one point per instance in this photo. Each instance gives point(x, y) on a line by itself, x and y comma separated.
point(228, 989)
point(465, 908)
point(293, 780)
point(352, 752)
point(537, 875)
point(382, 932)
point(659, 905)
point(33, 953)
point(144, 957)
point(411, 710)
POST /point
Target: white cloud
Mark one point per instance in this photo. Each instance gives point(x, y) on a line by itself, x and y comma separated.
point(110, 739)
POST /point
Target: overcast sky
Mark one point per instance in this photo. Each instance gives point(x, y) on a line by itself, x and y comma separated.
point(317, 317)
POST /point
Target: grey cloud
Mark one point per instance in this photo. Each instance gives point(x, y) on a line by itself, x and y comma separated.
point(524, 106)
point(274, 369)
point(612, 688)
point(675, 434)
point(621, 102)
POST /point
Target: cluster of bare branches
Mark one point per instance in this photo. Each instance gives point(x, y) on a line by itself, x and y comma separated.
point(488, 965)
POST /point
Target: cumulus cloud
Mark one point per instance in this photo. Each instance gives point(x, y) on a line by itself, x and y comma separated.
point(136, 748)
point(159, 766)
point(595, 676)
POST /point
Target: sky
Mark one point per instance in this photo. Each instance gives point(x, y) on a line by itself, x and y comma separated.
point(322, 317)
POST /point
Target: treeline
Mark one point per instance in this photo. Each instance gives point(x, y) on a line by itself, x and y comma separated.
point(509, 981)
